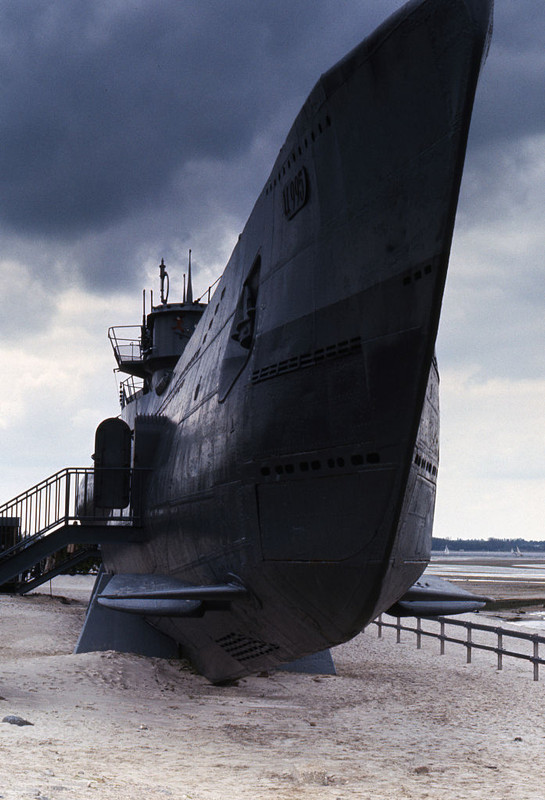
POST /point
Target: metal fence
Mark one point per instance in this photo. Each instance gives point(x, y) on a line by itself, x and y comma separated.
point(501, 634)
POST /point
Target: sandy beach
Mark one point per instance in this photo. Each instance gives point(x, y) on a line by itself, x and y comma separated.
point(395, 722)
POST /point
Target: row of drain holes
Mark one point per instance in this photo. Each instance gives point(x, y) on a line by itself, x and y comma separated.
point(293, 158)
point(356, 460)
point(427, 465)
point(416, 275)
point(212, 320)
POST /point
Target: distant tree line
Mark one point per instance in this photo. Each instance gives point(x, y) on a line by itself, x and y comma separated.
point(493, 545)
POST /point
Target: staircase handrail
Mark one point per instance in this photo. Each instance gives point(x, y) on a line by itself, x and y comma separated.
point(64, 497)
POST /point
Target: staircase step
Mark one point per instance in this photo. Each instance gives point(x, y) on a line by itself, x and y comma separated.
point(16, 561)
point(63, 566)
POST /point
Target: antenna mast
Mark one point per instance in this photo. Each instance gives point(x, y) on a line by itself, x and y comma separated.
point(163, 274)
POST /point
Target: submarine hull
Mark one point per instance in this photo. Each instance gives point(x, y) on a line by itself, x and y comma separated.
point(295, 448)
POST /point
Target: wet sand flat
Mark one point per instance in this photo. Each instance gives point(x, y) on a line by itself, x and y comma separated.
point(497, 576)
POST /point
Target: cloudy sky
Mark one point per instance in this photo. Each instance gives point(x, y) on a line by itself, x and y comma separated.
point(131, 131)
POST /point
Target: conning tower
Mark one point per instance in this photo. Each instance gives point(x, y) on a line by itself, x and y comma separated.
point(151, 354)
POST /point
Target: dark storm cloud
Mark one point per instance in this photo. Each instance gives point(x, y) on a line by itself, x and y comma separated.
point(510, 101)
point(127, 126)
point(103, 102)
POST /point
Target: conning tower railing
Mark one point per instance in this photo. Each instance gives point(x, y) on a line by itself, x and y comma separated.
point(130, 389)
point(126, 341)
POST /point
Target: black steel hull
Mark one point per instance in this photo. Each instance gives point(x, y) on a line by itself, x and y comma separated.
point(304, 463)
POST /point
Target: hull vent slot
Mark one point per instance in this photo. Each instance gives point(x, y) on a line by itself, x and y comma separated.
point(243, 649)
point(344, 348)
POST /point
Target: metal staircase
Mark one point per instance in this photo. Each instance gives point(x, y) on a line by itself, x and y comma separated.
point(57, 517)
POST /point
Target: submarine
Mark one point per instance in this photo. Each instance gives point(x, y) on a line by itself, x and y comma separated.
point(287, 431)
point(277, 447)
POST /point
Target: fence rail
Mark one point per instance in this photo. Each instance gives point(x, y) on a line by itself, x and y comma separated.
point(469, 642)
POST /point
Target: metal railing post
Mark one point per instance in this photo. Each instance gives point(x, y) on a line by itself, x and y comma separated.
point(418, 633)
point(442, 645)
point(398, 629)
point(536, 656)
point(500, 650)
point(67, 497)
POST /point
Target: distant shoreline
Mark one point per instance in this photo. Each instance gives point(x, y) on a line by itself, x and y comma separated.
point(488, 545)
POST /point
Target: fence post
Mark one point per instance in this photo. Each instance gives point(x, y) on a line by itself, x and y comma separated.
point(442, 648)
point(418, 633)
point(379, 626)
point(536, 656)
point(468, 644)
point(398, 628)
